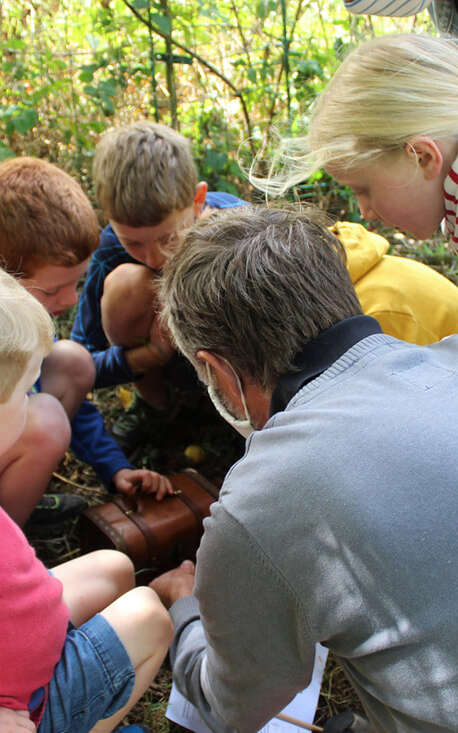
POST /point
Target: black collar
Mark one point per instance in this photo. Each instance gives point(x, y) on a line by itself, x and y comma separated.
point(319, 354)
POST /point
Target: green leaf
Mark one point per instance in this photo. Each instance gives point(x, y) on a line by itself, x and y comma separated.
point(228, 187)
point(214, 161)
point(108, 87)
point(16, 44)
point(251, 74)
point(162, 23)
point(96, 126)
point(86, 76)
point(308, 68)
point(88, 70)
point(24, 122)
point(5, 152)
point(92, 91)
point(108, 108)
point(140, 4)
point(234, 169)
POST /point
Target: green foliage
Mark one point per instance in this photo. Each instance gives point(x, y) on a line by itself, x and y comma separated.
point(227, 74)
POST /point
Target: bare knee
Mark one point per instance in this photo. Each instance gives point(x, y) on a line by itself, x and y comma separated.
point(142, 623)
point(127, 304)
point(152, 615)
point(114, 567)
point(69, 367)
point(78, 363)
point(47, 432)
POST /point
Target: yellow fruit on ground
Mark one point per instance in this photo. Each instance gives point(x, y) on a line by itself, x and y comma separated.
point(195, 454)
point(126, 397)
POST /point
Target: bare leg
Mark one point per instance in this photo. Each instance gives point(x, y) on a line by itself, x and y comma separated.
point(68, 374)
point(145, 629)
point(93, 581)
point(128, 310)
point(127, 304)
point(25, 470)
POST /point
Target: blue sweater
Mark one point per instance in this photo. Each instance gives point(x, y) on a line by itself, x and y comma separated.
point(92, 444)
point(110, 362)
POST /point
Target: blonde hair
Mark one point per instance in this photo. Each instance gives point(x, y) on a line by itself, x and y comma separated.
point(25, 328)
point(45, 217)
point(143, 173)
point(385, 92)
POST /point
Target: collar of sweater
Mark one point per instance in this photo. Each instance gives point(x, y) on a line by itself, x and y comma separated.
point(319, 354)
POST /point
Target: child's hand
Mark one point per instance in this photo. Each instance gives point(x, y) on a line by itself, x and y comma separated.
point(15, 721)
point(130, 480)
point(160, 342)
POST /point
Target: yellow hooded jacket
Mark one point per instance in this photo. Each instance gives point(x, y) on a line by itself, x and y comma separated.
point(410, 300)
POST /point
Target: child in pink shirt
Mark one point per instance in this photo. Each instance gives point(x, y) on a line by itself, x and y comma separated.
point(79, 645)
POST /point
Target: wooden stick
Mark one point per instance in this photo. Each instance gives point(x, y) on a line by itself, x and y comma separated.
point(299, 723)
point(70, 482)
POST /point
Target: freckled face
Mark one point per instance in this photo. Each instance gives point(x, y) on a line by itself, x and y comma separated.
point(55, 286)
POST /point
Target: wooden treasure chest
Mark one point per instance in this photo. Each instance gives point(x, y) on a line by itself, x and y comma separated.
point(156, 535)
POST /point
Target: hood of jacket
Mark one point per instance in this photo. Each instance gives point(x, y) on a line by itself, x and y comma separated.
point(364, 249)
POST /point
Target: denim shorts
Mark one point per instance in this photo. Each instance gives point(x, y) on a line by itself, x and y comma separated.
point(93, 679)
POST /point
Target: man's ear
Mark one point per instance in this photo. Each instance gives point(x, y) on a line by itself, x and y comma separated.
point(199, 198)
point(427, 155)
point(223, 375)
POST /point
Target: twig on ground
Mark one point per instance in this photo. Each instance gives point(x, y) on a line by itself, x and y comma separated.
point(72, 483)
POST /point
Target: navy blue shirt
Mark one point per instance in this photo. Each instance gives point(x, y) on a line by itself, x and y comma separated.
point(91, 443)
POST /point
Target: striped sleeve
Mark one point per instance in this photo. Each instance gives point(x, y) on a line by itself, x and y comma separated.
point(451, 204)
point(398, 8)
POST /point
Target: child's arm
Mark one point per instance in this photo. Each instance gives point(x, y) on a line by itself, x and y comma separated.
point(394, 8)
point(33, 620)
point(92, 444)
point(15, 721)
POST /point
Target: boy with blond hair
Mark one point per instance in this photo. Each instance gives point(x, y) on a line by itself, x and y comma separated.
point(48, 231)
point(68, 661)
point(146, 183)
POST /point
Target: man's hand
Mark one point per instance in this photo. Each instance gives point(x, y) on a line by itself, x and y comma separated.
point(130, 480)
point(15, 721)
point(175, 584)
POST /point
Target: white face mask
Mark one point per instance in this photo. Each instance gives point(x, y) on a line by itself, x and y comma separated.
point(244, 427)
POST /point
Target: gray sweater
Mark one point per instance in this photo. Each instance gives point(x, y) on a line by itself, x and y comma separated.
point(338, 525)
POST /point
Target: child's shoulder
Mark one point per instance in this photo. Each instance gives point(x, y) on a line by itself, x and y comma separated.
point(223, 200)
point(108, 239)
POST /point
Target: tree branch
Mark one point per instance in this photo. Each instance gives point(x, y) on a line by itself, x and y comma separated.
point(212, 69)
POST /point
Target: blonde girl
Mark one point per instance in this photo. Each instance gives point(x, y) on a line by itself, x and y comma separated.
point(387, 126)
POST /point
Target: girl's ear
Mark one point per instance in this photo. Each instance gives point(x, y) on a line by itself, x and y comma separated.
point(427, 154)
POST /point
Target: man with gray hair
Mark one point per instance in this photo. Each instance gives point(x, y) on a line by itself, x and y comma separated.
point(338, 525)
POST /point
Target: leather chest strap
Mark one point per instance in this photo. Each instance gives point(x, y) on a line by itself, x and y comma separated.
point(202, 482)
point(193, 507)
point(138, 520)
